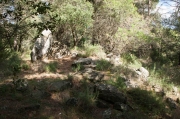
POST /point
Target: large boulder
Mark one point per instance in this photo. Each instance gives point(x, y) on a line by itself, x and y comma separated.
point(110, 94)
point(41, 45)
point(60, 85)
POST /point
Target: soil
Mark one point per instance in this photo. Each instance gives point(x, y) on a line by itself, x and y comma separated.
point(22, 105)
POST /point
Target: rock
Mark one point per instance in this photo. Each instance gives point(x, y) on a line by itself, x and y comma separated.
point(74, 54)
point(129, 84)
point(175, 90)
point(30, 107)
point(109, 55)
point(92, 75)
point(38, 94)
point(60, 85)
point(46, 32)
point(41, 45)
point(82, 61)
point(143, 73)
point(171, 103)
point(102, 104)
point(120, 106)
point(20, 84)
point(107, 114)
point(72, 102)
point(58, 56)
point(115, 60)
point(109, 93)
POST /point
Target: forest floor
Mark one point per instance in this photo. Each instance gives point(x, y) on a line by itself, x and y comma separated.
point(39, 103)
point(23, 105)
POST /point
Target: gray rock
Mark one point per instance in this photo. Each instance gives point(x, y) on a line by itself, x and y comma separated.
point(72, 102)
point(109, 55)
point(171, 103)
point(60, 85)
point(107, 114)
point(115, 60)
point(20, 84)
point(102, 104)
point(74, 54)
point(41, 45)
point(110, 94)
point(130, 85)
point(38, 94)
point(30, 107)
point(92, 75)
point(58, 56)
point(82, 61)
point(142, 72)
point(120, 106)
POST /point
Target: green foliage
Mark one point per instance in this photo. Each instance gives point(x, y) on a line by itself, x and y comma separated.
point(87, 96)
point(94, 50)
point(25, 66)
point(51, 67)
point(78, 67)
point(5, 90)
point(147, 100)
point(119, 82)
point(75, 16)
point(11, 65)
point(129, 58)
point(103, 65)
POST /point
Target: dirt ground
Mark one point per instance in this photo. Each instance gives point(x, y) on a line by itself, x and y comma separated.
point(22, 105)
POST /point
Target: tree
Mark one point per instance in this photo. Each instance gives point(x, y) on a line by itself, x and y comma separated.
point(72, 19)
point(115, 25)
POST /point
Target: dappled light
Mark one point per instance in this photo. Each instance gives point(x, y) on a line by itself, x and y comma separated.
point(89, 59)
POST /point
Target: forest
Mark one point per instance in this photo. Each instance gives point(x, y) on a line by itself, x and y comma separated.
point(89, 59)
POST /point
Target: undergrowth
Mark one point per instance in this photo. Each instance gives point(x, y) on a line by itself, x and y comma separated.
point(147, 101)
point(51, 67)
point(103, 65)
